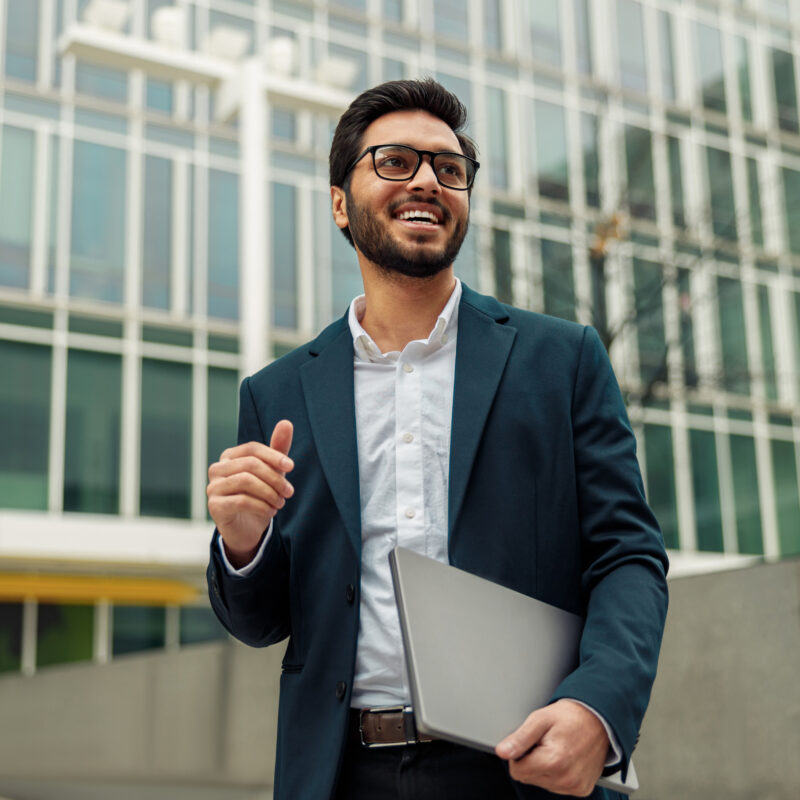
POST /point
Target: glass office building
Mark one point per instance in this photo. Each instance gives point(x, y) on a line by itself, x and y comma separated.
point(641, 172)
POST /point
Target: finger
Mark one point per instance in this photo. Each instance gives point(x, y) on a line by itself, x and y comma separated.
point(245, 484)
point(274, 458)
point(516, 744)
point(281, 438)
point(253, 465)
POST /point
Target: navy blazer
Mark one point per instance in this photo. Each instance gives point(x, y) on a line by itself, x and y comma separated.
point(545, 497)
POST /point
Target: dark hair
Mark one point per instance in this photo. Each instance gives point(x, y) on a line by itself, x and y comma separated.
point(407, 95)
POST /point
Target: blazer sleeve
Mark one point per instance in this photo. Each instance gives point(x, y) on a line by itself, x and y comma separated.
point(623, 561)
point(255, 608)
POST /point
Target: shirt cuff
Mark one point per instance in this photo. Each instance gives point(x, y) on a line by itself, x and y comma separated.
point(247, 568)
point(614, 756)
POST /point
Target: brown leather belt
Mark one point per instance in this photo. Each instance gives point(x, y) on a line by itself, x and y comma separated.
point(386, 727)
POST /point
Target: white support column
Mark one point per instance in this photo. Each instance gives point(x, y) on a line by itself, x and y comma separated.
point(30, 610)
point(255, 276)
point(102, 632)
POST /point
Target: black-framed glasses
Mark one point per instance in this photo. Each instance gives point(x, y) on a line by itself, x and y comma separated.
point(399, 162)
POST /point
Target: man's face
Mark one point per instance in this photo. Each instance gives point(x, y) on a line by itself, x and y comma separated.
point(380, 214)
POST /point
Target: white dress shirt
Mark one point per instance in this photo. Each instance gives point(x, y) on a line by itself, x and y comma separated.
point(403, 404)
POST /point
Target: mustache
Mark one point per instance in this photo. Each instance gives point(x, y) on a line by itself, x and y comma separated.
point(417, 201)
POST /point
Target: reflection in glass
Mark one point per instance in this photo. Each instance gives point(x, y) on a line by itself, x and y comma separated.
point(137, 628)
point(745, 494)
point(705, 482)
point(710, 69)
point(720, 186)
point(754, 196)
point(552, 178)
point(639, 164)
point(64, 634)
point(10, 637)
point(665, 39)
point(223, 244)
point(767, 349)
point(284, 255)
point(787, 501)
point(743, 73)
point(661, 481)
point(630, 40)
point(591, 158)
point(686, 328)
point(24, 424)
point(22, 39)
point(157, 238)
point(733, 343)
point(676, 182)
point(16, 206)
point(98, 222)
point(91, 459)
point(165, 439)
point(648, 282)
point(791, 207)
point(785, 90)
point(557, 278)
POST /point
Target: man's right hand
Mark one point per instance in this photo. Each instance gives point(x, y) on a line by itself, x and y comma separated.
point(246, 488)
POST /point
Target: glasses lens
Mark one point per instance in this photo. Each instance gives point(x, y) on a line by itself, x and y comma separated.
point(453, 170)
point(395, 162)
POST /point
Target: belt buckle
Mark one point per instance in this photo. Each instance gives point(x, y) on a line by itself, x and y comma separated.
point(409, 729)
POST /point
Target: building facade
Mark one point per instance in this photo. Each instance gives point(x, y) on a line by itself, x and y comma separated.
point(640, 172)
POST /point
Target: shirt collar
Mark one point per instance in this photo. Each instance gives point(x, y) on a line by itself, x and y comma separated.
point(443, 331)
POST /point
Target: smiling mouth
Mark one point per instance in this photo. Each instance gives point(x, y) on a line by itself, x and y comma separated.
point(424, 217)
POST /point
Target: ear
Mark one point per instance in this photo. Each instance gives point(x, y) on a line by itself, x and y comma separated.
point(339, 207)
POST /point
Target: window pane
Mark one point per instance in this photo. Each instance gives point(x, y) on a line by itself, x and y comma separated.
point(91, 464)
point(559, 288)
point(166, 438)
point(661, 481)
point(649, 309)
point(720, 184)
point(222, 404)
point(706, 490)
point(591, 159)
point(796, 297)
point(497, 148)
point(630, 37)
point(583, 37)
point(785, 90)
point(22, 39)
point(745, 490)
point(24, 424)
point(492, 24)
point(345, 274)
point(157, 240)
point(735, 368)
point(284, 255)
point(137, 628)
point(754, 192)
point(159, 95)
point(200, 624)
point(223, 244)
point(98, 222)
point(466, 266)
point(667, 62)
point(101, 82)
point(551, 151)
point(450, 19)
point(743, 72)
point(784, 470)
point(687, 328)
point(711, 73)
point(544, 30)
point(64, 634)
point(10, 637)
point(393, 10)
point(639, 163)
point(767, 349)
point(503, 278)
point(676, 182)
point(16, 206)
point(791, 205)
point(52, 212)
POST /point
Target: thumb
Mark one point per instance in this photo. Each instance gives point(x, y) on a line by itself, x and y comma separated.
point(281, 438)
point(527, 736)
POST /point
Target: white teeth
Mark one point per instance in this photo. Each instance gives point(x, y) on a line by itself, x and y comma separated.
point(419, 215)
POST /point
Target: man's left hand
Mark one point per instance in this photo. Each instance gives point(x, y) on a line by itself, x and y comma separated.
point(561, 747)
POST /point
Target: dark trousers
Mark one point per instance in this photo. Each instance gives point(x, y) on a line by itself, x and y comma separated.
point(426, 771)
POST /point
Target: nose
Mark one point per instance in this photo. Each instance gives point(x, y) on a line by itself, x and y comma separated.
point(425, 178)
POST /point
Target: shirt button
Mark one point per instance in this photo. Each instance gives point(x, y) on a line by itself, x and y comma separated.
point(410, 513)
point(341, 690)
point(408, 437)
point(408, 367)
point(350, 594)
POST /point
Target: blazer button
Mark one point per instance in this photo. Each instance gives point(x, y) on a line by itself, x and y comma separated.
point(350, 594)
point(341, 688)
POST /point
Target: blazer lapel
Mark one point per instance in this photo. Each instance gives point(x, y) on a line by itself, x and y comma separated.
point(327, 382)
point(481, 354)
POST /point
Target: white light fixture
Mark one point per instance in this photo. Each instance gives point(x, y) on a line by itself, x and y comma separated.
point(168, 26)
point(110, 15)
point(337, 72)
point(226, 42)
point(281, 56)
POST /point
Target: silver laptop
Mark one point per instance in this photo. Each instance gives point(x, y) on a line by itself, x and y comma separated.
point(480, 657)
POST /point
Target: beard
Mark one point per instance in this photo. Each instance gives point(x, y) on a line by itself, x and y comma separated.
point(375, 241)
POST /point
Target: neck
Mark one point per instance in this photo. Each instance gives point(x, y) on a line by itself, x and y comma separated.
point(400, 309)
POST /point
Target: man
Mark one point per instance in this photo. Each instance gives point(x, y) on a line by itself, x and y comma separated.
point(473, 432)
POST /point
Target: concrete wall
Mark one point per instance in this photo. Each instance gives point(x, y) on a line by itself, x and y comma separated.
point(724, 721)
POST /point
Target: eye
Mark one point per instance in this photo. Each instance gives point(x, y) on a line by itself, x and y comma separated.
point(450, 167)
point(394, 160)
